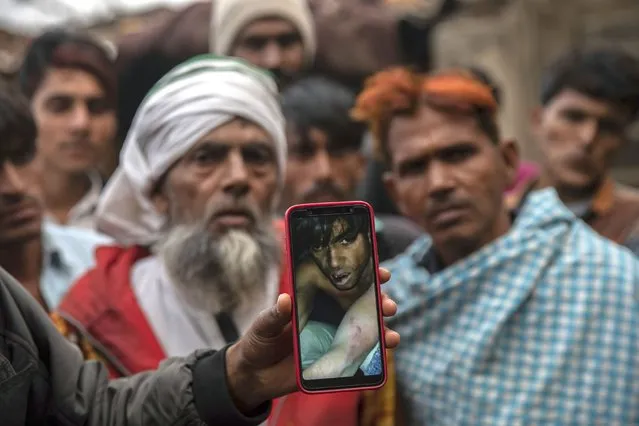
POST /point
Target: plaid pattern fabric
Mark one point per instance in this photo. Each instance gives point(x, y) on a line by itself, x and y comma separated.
point(540, 327)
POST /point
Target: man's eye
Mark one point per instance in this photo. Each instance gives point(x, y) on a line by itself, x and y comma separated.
point(205, 157)
point(59, 105)
point(97, 106)
point(304, 152)
point(412, 168)
point(575, 116)
point(457, 155)
point(255, 43)
point(288, 40)
point(611, 127)
point(316, 247)
point(257, 156)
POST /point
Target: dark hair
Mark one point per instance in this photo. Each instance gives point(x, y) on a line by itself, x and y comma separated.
point(483, 76)
point(606, 74)
point(399, 91)
point(316, 231)
point(64, 49)
point(323, 104)
point(17, 127)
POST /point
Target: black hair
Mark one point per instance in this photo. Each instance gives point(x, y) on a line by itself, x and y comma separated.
point(323, 104)
point(483, 76)
point(315, 231)
point(62, 48)
point(609, 75)
point(17, 128)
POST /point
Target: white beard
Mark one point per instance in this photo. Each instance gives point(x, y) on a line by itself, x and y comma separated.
point(216, 273)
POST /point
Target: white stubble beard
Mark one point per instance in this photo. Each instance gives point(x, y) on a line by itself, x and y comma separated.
point(216, 273)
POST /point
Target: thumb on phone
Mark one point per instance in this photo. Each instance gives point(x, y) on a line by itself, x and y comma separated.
point(271, 323)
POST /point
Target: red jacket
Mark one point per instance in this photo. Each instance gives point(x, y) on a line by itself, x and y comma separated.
point(102, 307)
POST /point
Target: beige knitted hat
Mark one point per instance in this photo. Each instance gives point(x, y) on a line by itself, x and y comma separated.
point(229, 17)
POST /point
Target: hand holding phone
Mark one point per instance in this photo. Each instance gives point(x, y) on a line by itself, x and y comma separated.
point(339, 333)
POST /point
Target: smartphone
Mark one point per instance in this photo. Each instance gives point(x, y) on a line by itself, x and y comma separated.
point(337, 317)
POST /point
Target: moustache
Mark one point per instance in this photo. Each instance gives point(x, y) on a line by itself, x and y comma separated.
point(11, 203)
point(236, 208)
point(433, 209)
point(323, 188)
point(80, 142)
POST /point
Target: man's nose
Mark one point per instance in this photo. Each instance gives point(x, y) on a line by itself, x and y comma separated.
point(333, 258)
point(588, 132)
point(236, 182)
point(439, 180)
point(320, 167)
point(80, 117)
point(272, 56)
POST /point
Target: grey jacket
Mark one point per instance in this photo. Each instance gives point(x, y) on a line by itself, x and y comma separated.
point(44, 381)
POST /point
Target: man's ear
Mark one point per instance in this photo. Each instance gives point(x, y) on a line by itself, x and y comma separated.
point(535, 120)
point(390, 183)
point(360, 163)
point(509, 151)
point(160, 201)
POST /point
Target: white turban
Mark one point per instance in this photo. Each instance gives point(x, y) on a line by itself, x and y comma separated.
point(193, 99)
point(230, 17)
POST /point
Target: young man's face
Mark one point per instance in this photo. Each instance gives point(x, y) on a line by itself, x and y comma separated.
point(343, 254)
point(273, 44)
point(76, 125)
point(449, 177)
point(21, 207)
point(320, 170)
point(579, 137)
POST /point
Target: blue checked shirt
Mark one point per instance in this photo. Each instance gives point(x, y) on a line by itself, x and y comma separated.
point(541, 327)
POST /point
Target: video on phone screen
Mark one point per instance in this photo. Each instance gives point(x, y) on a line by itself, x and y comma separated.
point(334, 280)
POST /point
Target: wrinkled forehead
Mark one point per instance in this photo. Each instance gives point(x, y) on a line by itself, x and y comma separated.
point(239, 132)
point(570, 99)
point(429, 131)
point(267, 27)
point(339, 227)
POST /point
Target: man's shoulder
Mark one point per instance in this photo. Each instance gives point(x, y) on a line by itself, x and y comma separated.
point(405, 268)
point(592, 252)
point(77, 236)
point(394, 235)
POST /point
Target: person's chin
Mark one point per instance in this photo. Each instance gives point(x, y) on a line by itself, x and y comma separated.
point(580, 182)
point(78, 165)
point(458, 234)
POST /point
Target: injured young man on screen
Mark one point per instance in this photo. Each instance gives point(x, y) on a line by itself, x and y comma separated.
point(336, 300)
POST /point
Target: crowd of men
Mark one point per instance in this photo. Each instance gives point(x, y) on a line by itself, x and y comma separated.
point(515, 283)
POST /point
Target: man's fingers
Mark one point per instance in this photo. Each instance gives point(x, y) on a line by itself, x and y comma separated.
point(271, 322)
point(384, 275)
point(389, 307)
point(284, 305)
point(391, 338)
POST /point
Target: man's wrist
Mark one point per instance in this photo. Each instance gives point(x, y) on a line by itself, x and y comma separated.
point(210, 383)
point(242, 387)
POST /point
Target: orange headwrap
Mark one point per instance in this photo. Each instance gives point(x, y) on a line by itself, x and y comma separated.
point(400, 91)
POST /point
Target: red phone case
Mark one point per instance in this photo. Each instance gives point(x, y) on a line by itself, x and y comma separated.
point(289, 263)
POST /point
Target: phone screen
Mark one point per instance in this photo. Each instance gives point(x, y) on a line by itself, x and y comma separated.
point(336, 297)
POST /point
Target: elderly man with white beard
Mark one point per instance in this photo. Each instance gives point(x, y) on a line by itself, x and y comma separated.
point(192, 208)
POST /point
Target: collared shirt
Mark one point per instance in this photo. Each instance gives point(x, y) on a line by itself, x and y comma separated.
point(613, 211)
point(181, 328)
point(82, 215)
point(68, 253)
point(539, 327)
